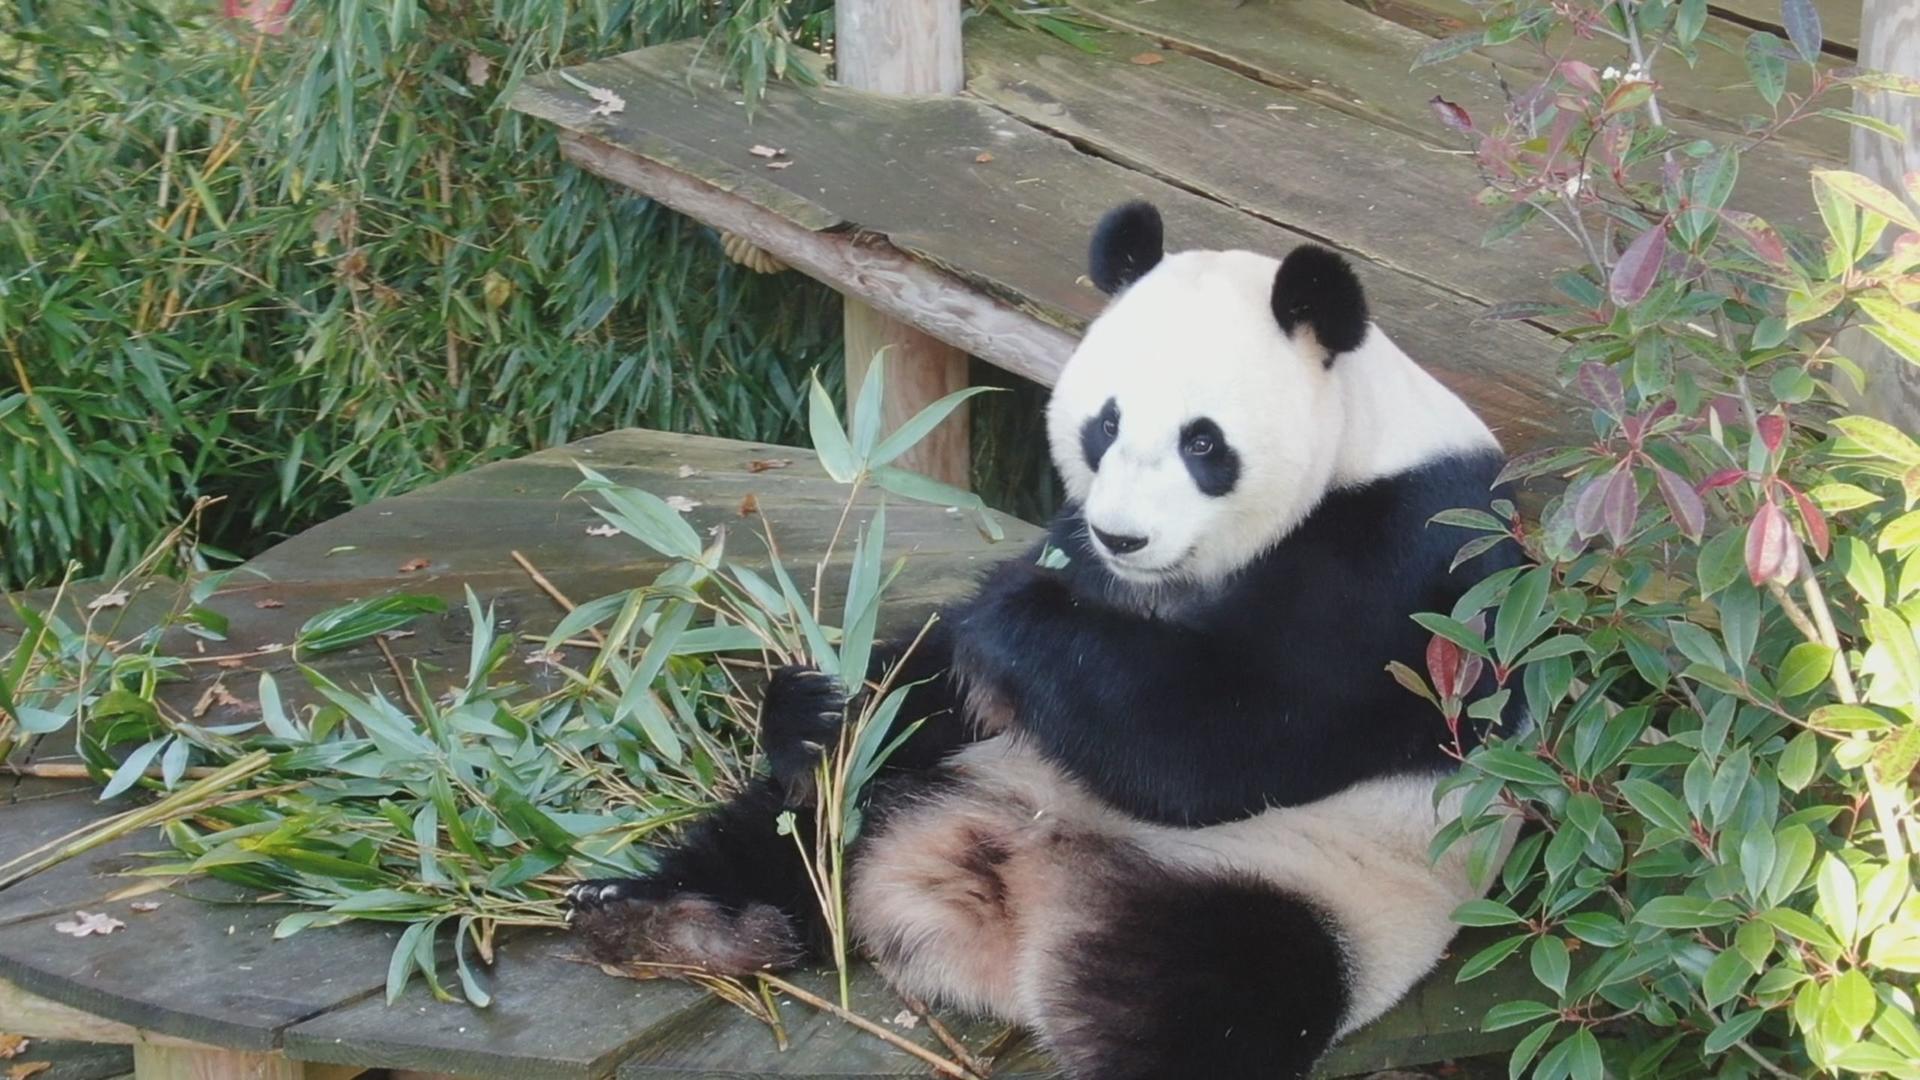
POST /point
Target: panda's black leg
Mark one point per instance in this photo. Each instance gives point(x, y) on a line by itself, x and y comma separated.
point(1187, 977)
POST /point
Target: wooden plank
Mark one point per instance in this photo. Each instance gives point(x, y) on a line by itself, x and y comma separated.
point(154, 1062)
point(1372, 189)
point(1716, 92)
point(904, 47)
point(1891, 43)
point(78, 882)
point(22, 1013)
point(1359, 63)
point(1839, 21)
point(552, 1018)
point(720, 1041)
point(1014, 225)
point(208, 974)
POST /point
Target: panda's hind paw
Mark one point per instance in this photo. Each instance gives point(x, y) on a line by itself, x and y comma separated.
point(651, 937)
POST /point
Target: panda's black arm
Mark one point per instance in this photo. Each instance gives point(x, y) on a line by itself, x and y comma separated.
point(1179, 725)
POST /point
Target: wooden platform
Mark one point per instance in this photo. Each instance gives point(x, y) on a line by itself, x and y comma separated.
point(201, 980)
point(1252, 123)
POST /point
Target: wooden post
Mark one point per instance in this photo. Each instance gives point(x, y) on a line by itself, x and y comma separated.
point(905, 47)
point(153, 1062)
point(1890, 42)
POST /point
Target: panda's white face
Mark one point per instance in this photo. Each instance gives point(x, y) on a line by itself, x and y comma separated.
point(1190, 428)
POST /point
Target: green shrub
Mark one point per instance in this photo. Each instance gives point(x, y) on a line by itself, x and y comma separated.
point(303, 270)
point(1718, 641)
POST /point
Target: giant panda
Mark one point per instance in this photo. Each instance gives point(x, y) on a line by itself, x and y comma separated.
point(1165, 807)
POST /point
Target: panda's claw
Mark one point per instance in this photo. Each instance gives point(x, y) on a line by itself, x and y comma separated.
point(593, 895)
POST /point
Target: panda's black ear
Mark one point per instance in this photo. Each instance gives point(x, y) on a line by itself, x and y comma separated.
point(1127, 243)
point(1317, 288)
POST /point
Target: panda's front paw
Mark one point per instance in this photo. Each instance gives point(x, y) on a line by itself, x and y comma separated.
point(800, 717)
point(583, 896)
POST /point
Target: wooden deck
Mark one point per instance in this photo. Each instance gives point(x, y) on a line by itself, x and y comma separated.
point(202, 974)
point(1252, 123)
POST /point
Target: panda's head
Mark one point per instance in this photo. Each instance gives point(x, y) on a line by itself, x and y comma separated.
point(1200, 419)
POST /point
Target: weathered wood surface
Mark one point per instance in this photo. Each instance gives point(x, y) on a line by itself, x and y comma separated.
point(1357, 62)
point(1890, 43)
point(905, 47)
point(1014, 224)
point(1839, 20)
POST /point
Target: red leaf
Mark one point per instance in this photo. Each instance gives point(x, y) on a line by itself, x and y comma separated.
point(1589, 507)
point(1621, 504)
point(267, 16)
point(1633, 275)
point(1773, 429)
point(1814, 520)
point(1453, 116)
point(1757, 235)
point(1580, 74)
point(1689, 513)
point(1772, 551)
point(1600, 385)
point(1443, 666)
point(1723, 478)
point(1726, 407)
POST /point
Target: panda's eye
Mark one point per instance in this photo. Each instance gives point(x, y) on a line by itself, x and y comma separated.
point(1200, 446)
point(1110, 426)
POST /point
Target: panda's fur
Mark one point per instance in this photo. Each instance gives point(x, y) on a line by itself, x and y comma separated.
point(1165, 807)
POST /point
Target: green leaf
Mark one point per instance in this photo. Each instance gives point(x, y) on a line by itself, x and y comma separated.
point(1584, 1060)
point(1891, 634)
point(1525, 1049)
point(1514, 766)
point(1550, 963)
point(339, 627)
point(1839, 901)
point(1685, 913)
point(1490, 957)
point(1514, 1013)
point(1657, 805)
point(130, 770)
point(1766, 67)
point(1596, 928)
point(1756, 861)
point(1794, 850)
point(830, 443)
point(1895, 947)
point(914, 486)
point(1455, 631)
point(1853, 1003)
point(867, 405)
point(909, 434)
point(1724, 978)
point(1739, 1026)
point(1880, 438)
point(1807, 666)
point(1516, 623)
point(400, 966)
point(1800, 926)
point(1485, 913)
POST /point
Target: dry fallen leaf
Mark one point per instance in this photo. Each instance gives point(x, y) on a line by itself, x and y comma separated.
point(229, 663)
point(984, 156)
point(479, 69)
point(766, 151)
point(779, 164)
point(217, 694)
point(411, 565)
point(269, 602)
point(681, 503)
point(905, 1018)
point(685, 471)
point(396, 635)
point(107, 600)
point(13, 1045)
point(1146, 59)
point(27, 1068)
point(610, 102)
point(87, 922)
point(143, 906)
point(603, 530)
point(750, 505)
point(766, 464)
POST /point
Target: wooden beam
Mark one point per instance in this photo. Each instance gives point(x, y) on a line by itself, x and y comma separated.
point(905, 47)
point(1889, 42)
point(155, 1062)
point(895, 284)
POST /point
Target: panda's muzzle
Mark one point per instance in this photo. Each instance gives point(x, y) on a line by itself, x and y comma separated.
point(1116, 543)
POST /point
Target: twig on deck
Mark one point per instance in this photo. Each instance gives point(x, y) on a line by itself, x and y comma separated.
point(553, 592)
point(949, 1068)
point(393, 664)
point(947, 1039)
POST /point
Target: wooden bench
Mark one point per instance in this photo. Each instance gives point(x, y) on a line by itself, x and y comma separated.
point(1252, 123)
point(199, 987)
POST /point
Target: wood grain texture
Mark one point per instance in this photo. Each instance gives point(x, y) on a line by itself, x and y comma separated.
point(898, 46)
point(905, 47)
point(156, 1062)
point(920, 370)
point(1890, 42)
point(1395, 200)
point(1715, 92)
point(1359, 63)
point(1839, 20)
point(552, 1018)
point(1013, 224)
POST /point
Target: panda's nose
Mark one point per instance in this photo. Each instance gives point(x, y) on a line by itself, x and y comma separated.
point(1119, 545)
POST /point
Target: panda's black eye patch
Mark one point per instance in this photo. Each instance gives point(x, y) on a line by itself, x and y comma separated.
point(1212, 463)
point(1098, 433)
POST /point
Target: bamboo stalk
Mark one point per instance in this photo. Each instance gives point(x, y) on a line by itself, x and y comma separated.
point(948, 1068)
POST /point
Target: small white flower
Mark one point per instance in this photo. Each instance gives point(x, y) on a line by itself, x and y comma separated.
point(1611, 72)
